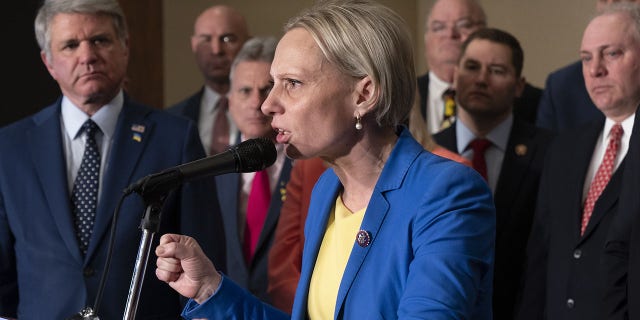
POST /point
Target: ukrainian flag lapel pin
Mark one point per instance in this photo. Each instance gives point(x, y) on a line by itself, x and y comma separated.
point(138, 130)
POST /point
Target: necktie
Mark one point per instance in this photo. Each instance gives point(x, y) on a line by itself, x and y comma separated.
point(257, 207)
point(84, 195)
point(479, 146)
point(220, 132)
point(603, 174)
point(449, 114)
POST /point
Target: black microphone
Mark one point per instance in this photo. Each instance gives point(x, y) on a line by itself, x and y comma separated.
point(248, 156)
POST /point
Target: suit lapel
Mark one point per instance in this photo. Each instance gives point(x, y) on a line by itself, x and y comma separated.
point(447, 138)
point(606, 201)
point(127, 147)
point(228, 188)
point(374, 216)
point(274, 208)
point(577, 170)
point(315, 227)
point(515, 165)
point(391, 179)
point(192, 109)
point(49, 162)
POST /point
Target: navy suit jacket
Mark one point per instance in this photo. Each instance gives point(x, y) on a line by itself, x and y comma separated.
point(525, 107)
point(253, 277)
point(621, 260)
point(515, 199)
point(563, 272)
point(565, 102)
point(432, 226)
point(43, 274)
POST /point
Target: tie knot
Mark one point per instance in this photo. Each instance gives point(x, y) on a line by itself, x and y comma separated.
point(90, 127)
point(448, 94)
point(479, 145)
point(616, 132)
point(223, 103)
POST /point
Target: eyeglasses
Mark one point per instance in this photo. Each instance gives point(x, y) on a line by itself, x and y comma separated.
point(462, 26)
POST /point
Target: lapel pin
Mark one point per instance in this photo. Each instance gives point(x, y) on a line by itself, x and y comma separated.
point(137, 128)
point(363, 238)
point(521, 149)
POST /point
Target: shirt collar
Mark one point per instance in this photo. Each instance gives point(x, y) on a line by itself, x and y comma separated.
point(437, 85)
point(499, 136)
point(106, 117)
point(627, 127)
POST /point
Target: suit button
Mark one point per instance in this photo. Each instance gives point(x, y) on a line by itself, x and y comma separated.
point(570, 303)
point(577, 253)
point(88, 272)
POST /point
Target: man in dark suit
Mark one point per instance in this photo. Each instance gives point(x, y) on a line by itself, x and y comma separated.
point(218, 34)
point(248, 243)
point(449, 23)
point(581, 181)
point(565, 102)
point(94, 139)
point(487, 81)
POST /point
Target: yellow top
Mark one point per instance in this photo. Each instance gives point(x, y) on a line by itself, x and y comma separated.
point(338, 240)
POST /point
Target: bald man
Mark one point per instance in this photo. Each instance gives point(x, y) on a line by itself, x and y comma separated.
point(218, 35)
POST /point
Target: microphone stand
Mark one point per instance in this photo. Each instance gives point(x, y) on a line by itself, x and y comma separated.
point(153, 196)
point(150, 225)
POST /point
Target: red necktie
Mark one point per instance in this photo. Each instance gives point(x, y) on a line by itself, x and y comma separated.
point(220, 131)
point(257, 207)
point(602, 175)
point(479, 146)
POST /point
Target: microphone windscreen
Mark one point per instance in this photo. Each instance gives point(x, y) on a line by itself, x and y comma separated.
point(255, 154)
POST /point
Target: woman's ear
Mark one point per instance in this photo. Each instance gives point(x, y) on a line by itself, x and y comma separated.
point(366, 94)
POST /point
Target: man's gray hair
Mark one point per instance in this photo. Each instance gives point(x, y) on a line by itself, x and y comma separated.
point(51, 8)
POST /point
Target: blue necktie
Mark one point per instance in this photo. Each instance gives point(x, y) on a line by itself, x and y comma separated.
point(84, 195)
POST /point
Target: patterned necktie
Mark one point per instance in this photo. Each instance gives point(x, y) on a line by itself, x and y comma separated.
point(257, 207)
point(220, 132)
point(479, 146)
point(449, 114)
point(84, 195)
point(602, 176)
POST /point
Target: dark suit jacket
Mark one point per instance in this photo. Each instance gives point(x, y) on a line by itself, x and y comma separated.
point(621, 259)
point(254, 276)
point(189, 107)
point(525, 107)
point(514, 197)
point(43, 274)
point(565, 102)
point(563, 268)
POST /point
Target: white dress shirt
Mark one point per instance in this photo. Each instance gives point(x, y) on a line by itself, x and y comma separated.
point(435, 104)
point(494, 155)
